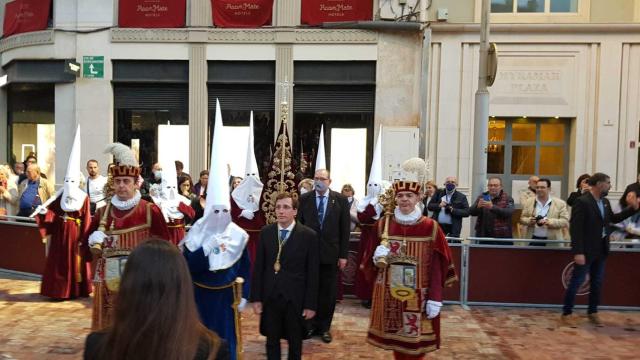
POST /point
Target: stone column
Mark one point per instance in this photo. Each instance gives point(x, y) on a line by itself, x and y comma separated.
point(284, 71)
point(287, 13)
point(199, 14)
point(65, 128)
point(198, 108)
point(4, 156)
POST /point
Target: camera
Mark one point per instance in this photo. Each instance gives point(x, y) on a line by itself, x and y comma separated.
point(538, 219)
point(447, 209)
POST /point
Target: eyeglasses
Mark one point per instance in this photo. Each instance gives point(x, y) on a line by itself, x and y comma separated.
point(320, 179)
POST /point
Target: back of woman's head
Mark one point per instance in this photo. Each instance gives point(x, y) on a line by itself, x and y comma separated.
point(155, 315)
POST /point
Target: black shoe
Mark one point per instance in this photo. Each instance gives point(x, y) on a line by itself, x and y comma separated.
point(309, 334)
point(366, 304)
point(326, 337)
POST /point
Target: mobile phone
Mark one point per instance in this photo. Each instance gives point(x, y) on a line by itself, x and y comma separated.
point(486, 197)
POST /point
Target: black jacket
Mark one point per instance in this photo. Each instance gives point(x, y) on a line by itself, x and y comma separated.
point(459, 209)
point(334, 233)
point(586, 226)
point(297, 280)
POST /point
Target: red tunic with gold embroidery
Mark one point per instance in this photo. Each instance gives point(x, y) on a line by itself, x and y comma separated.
point(125, 229)
point(418, 267)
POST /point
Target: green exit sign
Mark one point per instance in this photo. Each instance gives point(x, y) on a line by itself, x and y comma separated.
point(93, 67)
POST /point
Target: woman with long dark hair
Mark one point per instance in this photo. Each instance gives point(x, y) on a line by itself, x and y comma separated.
point(155, 315)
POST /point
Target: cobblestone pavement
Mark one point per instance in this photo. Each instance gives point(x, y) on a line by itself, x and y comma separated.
point(32, 327)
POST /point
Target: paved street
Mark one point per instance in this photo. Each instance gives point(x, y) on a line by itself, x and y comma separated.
point(32, 327)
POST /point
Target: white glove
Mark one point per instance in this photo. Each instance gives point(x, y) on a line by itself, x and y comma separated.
point(41, 210)
point(96, 237)
point(374, 201)
point(242, 305)
point(247, 214)
point(381, 251)
point(432, 308)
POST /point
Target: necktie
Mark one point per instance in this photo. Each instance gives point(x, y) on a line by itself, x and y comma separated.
point(321, 210)
point(283, 235)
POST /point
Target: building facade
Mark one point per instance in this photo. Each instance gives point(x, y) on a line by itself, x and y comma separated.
point(565, 101)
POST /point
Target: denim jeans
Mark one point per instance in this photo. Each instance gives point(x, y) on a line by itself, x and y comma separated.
point(595, 267)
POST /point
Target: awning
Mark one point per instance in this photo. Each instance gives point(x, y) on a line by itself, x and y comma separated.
point(152, 13)
point(316, 12)
point(22, 16)
point(241, 13)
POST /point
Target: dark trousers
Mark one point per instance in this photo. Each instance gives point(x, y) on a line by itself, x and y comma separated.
point(327, 289)
point(595, 268)
point(538, 238)
point(283, 320)
point(446, 228)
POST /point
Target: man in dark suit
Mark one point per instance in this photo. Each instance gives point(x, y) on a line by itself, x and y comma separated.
point(326, 212)
point(591, 217)
point(449, 207)
point(284, 287)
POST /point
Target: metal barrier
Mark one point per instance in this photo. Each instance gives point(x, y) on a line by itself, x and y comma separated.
point(536, 276)
point(489, 274)
point(22, 247)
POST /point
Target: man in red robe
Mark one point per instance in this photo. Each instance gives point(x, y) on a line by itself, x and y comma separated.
point(66, 220)
point(245, 200)
point(116, 229)
point(416, 264)
point(369, 212)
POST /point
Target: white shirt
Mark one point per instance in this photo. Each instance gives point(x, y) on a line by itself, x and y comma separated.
point(95, 190)
point(443, 217)
point(541, 210)
point(288, 228)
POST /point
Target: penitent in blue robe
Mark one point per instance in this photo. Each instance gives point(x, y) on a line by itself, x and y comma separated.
point(216, 306)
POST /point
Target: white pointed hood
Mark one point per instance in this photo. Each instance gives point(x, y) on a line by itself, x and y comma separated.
point(321, 159)
point(72, 195)
point(247, 193)
point(168, 197)
point(374, 185)
point(221, 240)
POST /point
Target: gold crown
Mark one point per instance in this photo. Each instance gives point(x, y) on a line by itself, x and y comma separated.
point(402, 185)
point(124, 170)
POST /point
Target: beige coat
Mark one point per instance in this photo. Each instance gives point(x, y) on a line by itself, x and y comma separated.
point(558, 218)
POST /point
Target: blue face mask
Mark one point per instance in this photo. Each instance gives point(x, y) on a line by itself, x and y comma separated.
point(320, 186)
point(450, 187)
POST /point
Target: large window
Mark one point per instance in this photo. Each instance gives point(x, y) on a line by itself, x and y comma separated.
point(537, 11)
point(151, 100)
point(339, 95)
point(242, 87)
point(32, 125)
point(534, 6)
point(521, 147)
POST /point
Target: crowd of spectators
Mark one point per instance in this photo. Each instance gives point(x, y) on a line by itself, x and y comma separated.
point(542, 216)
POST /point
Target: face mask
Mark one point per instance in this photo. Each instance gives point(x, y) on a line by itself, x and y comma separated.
point(604, 193)
point(303, 191)
point(157, 174)
point(320, 186)
point(450, 187)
